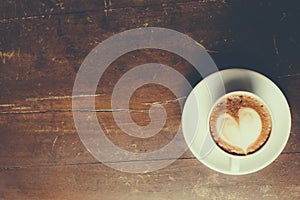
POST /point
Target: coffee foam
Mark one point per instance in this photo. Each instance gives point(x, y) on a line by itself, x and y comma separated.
point(240, 133)
point(240, 124)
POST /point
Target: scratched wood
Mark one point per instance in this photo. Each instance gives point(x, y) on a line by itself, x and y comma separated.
point(184, 179)
point(43, 43)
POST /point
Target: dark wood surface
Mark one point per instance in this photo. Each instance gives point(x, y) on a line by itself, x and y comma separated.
point(42, 45)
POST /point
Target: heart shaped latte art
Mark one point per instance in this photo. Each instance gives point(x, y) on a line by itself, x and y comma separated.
point(241, 132)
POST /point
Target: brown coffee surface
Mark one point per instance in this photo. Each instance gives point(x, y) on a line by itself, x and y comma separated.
point(231, 105)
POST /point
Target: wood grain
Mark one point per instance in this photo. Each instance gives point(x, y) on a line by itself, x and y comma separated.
point(184, 179)
point(42, 45)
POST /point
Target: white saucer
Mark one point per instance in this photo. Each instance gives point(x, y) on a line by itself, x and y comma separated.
point(202, 98)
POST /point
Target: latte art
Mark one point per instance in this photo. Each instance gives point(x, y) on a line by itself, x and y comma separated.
point(240, 133)
point(240, 124)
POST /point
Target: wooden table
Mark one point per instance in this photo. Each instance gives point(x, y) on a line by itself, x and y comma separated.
point(44, 42)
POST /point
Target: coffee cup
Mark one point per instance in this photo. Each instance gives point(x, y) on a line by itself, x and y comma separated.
point(236, 121)
point(240, 123)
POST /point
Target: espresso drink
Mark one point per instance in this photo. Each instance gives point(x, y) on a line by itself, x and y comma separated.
point(240, 123)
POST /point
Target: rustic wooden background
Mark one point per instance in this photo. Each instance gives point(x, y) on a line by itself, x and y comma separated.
point(43, 43)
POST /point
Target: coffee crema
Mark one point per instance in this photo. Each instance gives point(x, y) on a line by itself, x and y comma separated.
point(240, 124)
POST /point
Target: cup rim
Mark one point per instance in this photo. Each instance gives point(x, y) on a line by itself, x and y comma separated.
point(249, 94)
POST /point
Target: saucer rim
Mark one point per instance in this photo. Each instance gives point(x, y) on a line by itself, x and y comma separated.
point(250, 73)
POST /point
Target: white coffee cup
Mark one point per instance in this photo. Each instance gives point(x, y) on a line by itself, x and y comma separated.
point(254, 128)
point(195, 120)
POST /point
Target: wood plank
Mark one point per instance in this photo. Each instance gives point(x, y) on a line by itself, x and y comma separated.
point(184, 179)
point(27, 10)
point(218, 31)
point(38, 141)
point(51, 138)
